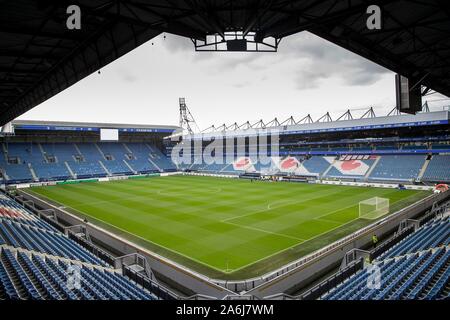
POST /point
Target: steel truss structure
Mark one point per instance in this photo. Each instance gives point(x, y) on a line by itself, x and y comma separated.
point(347, 115)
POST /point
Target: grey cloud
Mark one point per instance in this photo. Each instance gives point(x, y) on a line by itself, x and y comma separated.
point(312, 59)
point(309, 79)
point(233, 61)
point(318, 59)
point(176, 43)
point(365, 73)
point(223, 61)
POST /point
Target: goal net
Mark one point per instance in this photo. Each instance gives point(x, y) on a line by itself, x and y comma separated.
point(373, 208)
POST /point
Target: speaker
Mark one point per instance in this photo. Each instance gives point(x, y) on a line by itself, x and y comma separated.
point(409, 100)
point(237, 45)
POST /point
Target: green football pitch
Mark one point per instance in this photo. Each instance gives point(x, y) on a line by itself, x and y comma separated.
point(224, 228)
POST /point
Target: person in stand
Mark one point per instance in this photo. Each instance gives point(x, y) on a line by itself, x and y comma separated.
point(374, 241)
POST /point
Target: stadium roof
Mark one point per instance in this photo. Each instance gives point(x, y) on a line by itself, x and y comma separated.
point(39, 56)
point(386, 122)
point(73, 126)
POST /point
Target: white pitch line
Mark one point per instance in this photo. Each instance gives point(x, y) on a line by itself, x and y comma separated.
point(267, 208)
point(265, 231)
point(307, 240)
point(145, 196)
point(293, 237)
point(182, 192)
point(294, 245)
point(77, 213)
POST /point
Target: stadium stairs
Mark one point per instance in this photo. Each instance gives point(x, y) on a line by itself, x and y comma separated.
point(38, 262)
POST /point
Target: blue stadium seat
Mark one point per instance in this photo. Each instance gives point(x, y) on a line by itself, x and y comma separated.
point(29, 276)
point(418, 267)
point(398, 167)
point(51, 171)
point(316, 164)
point(117, 167)
point(438, 169)
point(26, 274)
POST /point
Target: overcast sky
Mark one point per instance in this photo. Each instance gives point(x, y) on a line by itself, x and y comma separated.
point(307, 75)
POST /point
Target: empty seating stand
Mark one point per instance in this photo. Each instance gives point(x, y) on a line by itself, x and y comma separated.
point(117, 167)
point(418, 267)
point(162, 161)
point(17, 172)
point(431, 235)
point(51, 171)
point(31, 276)
point(61, 151)
point(350, 168)
point(438, 170)
point(398, 167)
point(140, 158)
point(86, 169)
point(38, 262)
point(25, 162)
point(417, 276)
point(316, 165)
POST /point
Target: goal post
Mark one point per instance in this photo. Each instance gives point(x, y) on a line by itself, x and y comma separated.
point(373, 208)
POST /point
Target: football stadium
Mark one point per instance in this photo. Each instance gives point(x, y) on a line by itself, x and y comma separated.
point(352, 206)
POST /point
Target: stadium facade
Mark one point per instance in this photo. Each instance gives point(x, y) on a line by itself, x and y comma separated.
point(359, 149)
point(396, 148)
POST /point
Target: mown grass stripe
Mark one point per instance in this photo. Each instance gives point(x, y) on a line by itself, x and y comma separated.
point(225, 224)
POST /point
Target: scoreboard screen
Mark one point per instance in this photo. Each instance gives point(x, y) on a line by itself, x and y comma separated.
point(109, 135)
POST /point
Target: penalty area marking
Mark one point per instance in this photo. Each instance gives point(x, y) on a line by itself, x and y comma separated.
point(179, 253)
point(307, 240)
point(318, 218)
point(77, 212)
point(269, 207)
